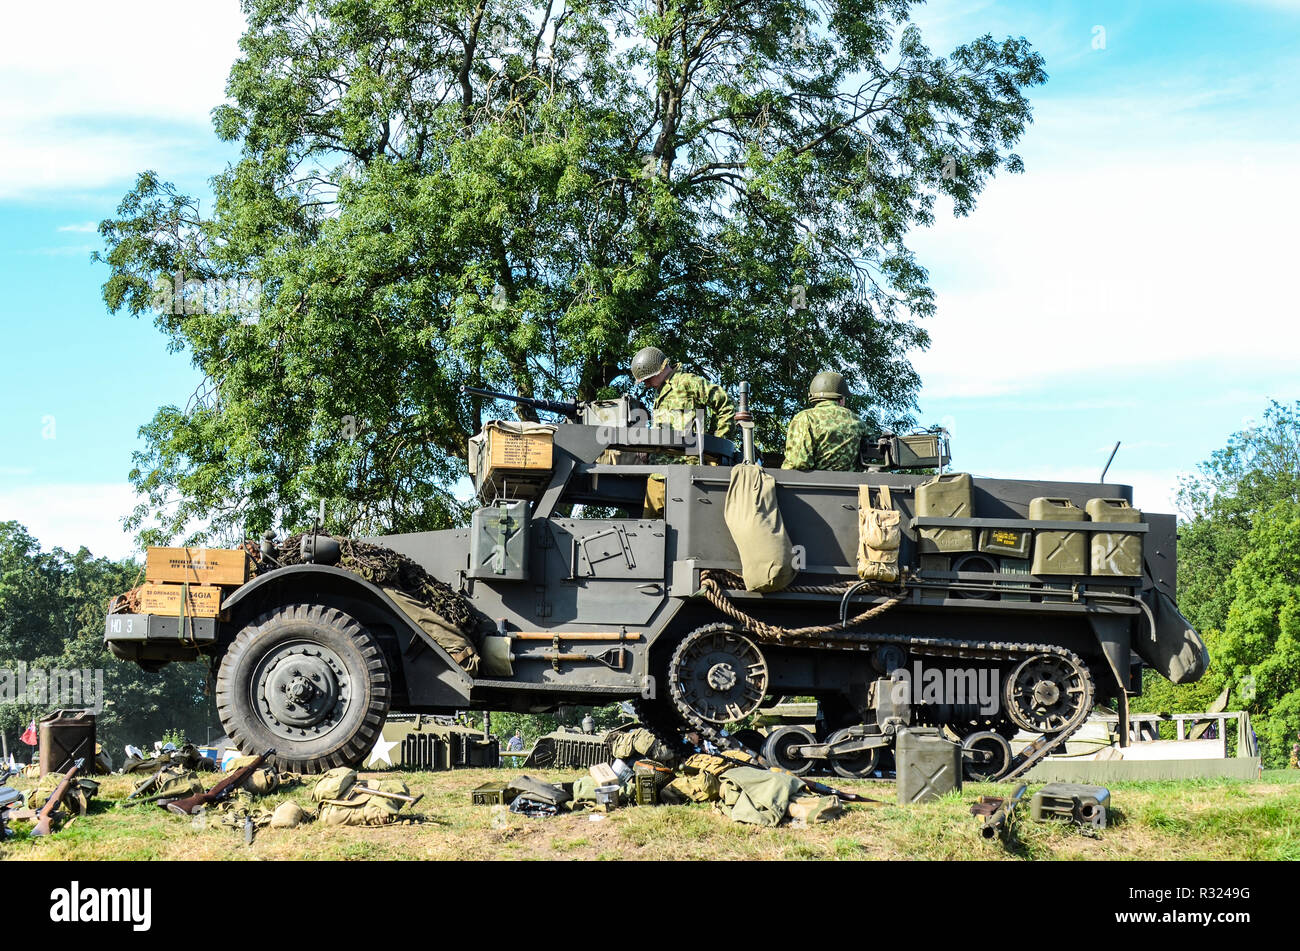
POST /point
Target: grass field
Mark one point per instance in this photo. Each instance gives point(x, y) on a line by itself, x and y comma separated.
point(1221, 819)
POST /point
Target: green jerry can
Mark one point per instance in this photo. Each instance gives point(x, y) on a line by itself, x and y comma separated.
point(945, 496)
point(499, 541)
point(1055, 552)
point(927, 765)
point(1115, 553)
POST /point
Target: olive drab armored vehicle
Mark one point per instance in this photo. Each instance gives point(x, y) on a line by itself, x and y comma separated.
point(985, 607)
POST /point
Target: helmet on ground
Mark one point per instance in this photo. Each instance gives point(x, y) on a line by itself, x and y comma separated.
point(647, 362)
point(827, 385)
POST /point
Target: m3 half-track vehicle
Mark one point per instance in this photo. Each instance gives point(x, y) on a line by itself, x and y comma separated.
point(1018, 606)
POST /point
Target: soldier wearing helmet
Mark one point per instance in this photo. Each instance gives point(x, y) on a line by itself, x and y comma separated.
point(681, 397)
point(827, 435)
point(682, 394)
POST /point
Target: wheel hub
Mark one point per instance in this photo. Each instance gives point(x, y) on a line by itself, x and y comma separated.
point(722, 677)
point(1047, 692)
point(301, 690)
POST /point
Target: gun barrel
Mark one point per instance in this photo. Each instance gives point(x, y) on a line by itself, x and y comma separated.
point(551, 406)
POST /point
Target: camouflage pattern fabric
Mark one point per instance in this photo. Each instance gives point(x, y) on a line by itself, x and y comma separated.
point(444, 614)
point(825, 436)
point(683, 394)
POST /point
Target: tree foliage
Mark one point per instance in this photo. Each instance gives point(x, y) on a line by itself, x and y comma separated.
point(52, 608)
point(1239, 579)
point(518, 194)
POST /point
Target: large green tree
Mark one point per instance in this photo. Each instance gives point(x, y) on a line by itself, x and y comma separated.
point(52, 607)
point(518, 194)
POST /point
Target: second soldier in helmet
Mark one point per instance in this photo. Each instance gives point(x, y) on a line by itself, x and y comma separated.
point(826, 435)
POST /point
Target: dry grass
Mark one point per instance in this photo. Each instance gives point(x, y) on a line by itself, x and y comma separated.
point(1198, 820)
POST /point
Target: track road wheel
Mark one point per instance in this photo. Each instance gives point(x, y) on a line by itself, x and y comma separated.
point(985, 768)
point(308, 681)
point(853, 765)
point(778, 750)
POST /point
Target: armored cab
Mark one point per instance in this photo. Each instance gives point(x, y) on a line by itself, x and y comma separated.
point(979, 606)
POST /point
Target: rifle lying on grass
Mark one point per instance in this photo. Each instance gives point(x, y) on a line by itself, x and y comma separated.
point(222, 791)
point(46, 815)
point(409, 800)
point(998, 813)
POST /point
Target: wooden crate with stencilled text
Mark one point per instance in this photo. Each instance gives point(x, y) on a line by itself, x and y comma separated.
point(210, 566)
point(166, 599)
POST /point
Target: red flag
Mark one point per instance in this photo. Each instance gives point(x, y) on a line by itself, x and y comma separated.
point(29, 735)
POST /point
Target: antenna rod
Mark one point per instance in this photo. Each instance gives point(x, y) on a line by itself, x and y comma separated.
point(1109, 461)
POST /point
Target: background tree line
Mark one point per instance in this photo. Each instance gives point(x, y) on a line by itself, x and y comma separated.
point(52, 609)
point(1239, 581)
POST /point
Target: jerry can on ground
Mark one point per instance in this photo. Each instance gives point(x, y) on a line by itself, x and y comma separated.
point(65, 737)
point(927, 765)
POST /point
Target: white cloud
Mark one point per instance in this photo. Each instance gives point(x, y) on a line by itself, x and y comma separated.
point(1129, 261)
point(70, 515)
point(85, 227)
point(72, 104)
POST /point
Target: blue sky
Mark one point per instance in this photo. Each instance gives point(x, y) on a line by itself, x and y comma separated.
point(1133, 284)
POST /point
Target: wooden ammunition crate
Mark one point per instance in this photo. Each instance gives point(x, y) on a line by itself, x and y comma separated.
point(518, 451)
point(197, 565)
point(165, 599)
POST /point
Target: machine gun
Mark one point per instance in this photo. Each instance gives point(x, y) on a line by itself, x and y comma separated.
point(222, 791)
point(998, 813)
point(46, 815)
point(571, 410)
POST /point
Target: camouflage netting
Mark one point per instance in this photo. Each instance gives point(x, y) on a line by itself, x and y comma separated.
point(442, 613)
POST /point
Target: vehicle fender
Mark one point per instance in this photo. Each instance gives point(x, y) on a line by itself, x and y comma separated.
point(313, 583)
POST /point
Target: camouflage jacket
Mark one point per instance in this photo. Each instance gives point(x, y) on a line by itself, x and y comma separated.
point(824, 436)
point(683, 394)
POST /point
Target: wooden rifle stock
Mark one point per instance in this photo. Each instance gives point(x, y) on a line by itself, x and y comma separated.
point(223, 790)
point(46, 815)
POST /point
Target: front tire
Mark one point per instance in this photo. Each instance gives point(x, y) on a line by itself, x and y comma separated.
point(310, 682)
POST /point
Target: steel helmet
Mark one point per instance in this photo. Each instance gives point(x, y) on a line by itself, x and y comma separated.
point(827, 385)
point(647, 362)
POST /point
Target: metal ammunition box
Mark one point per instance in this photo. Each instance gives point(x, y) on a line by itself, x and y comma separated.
point(1006, 541)
point(919, 451)
point(1115, 553)
point(947, 496)
point(489, 794)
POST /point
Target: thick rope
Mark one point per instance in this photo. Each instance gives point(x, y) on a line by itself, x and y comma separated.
point(716, 595)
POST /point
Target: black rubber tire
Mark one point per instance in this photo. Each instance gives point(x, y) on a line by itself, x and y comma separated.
point(354, 735)
point(854, 767)
point(780, 740)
